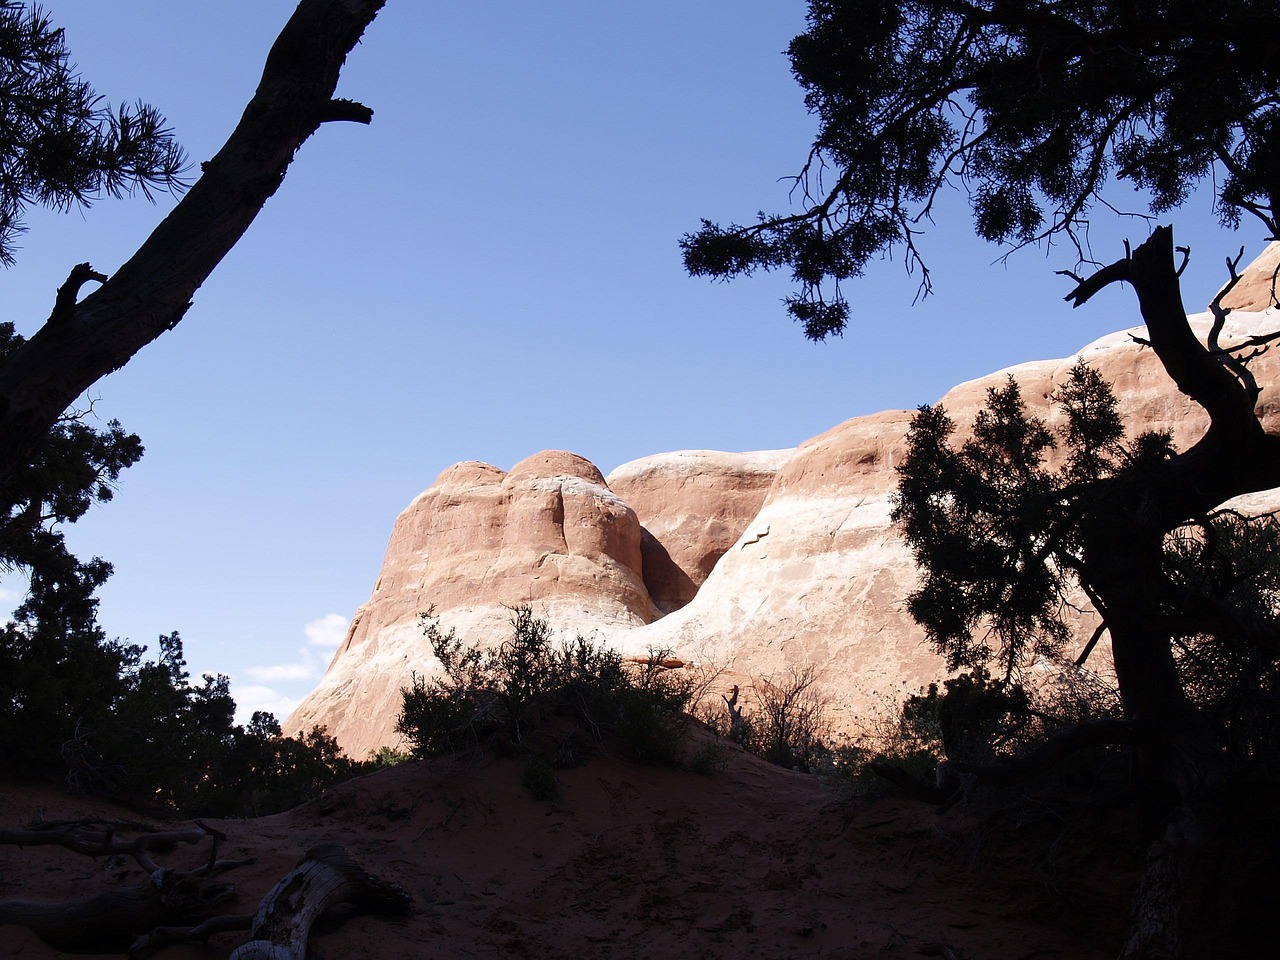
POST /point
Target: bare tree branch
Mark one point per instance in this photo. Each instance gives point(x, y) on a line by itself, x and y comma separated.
point(152, 291)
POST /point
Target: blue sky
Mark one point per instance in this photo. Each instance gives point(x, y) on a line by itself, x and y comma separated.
point(489, 269)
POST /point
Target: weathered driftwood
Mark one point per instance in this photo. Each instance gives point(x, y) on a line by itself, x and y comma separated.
point(327, 876)
point(114, 918)
point(172, 906)
point(98, 838)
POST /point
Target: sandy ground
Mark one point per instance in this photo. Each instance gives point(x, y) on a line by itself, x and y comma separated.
point(638, 862)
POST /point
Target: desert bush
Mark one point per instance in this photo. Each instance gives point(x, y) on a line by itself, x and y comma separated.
point(539, 777)
point(904, 733)
point(709, 759)
point(783, 719)
point(972, 717)
point(498, 698)
point(1231, 564)
point(789, 726)
point(259, 771)
point(386, 757)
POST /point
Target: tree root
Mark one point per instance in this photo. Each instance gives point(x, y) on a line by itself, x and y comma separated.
point(173, 906)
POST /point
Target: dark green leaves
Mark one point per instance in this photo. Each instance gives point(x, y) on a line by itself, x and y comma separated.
point(1028, 108)
point(60, 143)
point(993, 526)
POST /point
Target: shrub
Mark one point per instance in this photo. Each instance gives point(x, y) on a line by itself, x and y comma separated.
point(971, 717)
point(498, 698)
point(261, 772)
point(784, 720)
point(789, 726)
point(386, 757)
point(905, 734)
point(97, 714)
point(539, 778)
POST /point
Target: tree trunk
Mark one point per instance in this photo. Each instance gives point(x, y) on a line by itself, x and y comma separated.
point(1177, 763)
point(82, 342)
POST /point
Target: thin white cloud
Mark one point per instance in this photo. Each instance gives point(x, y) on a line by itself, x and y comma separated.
point(251, 698)
point(328, 631)
point(261, 694)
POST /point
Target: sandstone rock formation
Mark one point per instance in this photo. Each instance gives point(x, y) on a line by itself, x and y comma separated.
point(1258, 287)
point(550, 533)
point(758, 564)
point(693, 505)
point(819, 577)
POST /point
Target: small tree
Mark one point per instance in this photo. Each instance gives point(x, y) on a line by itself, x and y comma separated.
point(1002, 539)
point(788, 725)
point(1031, 108)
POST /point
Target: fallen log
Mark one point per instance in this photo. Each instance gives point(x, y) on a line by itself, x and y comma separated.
point(327, 876)
point(113, 919)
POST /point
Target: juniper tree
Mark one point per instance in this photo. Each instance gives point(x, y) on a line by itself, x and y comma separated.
point(1032, 110)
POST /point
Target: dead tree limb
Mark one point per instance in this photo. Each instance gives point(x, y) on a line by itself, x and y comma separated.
point(162, 937)
point(114, 919)
point(327, 876)
point(97, 839)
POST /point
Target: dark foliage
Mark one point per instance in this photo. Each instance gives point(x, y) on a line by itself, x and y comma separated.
point(61, 144)
point(96, 714)
point(783, 720)
point(74, 467)
point(998, 537)
point(985, 520)
point(74, 704)
point(1028, 108)
point(77, 705)
point(1228, 568)
point(501, 699)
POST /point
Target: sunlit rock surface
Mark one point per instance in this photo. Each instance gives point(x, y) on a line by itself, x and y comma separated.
point(477, 542)
point(755, 564)
point(693, 506)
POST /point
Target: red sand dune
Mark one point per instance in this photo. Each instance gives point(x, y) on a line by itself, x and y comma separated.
point(638, 862)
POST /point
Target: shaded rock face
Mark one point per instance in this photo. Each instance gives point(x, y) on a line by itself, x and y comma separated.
point(758, 564)
point(693, 506)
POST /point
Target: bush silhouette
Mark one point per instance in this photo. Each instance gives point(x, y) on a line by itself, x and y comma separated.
point(502, 698)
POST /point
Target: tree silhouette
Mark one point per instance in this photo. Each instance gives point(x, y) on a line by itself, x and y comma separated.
point(70, 699)
point(1030, 109)
point(83, 340)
